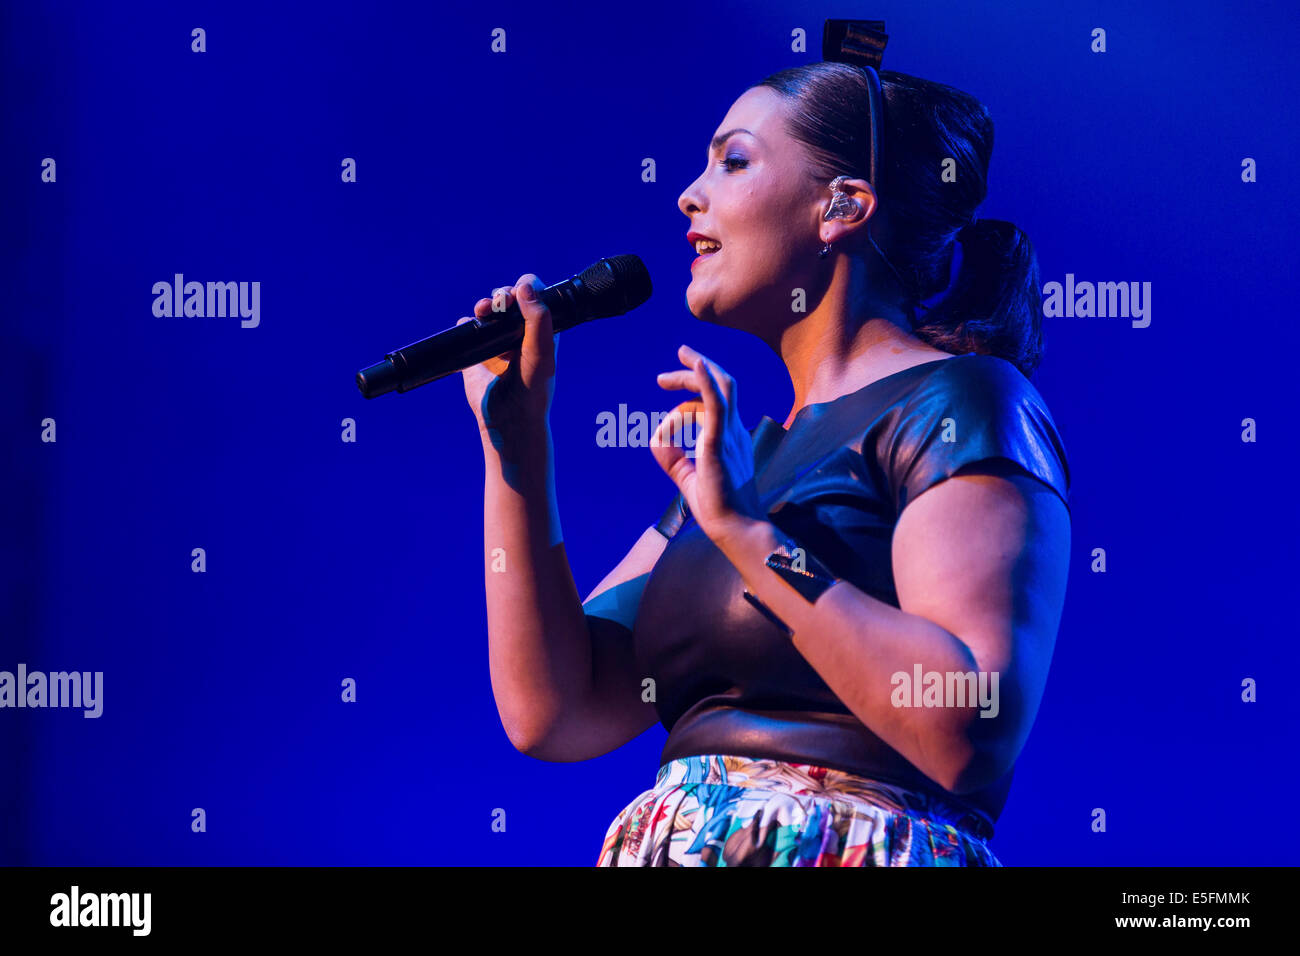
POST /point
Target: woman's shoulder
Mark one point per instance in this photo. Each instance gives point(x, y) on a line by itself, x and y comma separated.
point(976, 367)
point(967, 409)
point(976, 380)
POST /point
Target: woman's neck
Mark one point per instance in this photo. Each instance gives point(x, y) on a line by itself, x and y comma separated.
point(828, 354)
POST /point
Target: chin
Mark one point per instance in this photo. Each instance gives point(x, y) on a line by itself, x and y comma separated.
point(702, 312)
point(746, 308)
point(705, 309)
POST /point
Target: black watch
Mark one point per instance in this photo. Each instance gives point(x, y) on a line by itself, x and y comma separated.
point(801, 571)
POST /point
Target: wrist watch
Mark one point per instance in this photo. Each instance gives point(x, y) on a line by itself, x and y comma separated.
point(800, 570)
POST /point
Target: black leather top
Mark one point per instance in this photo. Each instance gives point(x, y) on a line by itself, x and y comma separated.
point(727, 680)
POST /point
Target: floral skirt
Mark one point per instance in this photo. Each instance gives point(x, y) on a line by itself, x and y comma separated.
point(716, 810)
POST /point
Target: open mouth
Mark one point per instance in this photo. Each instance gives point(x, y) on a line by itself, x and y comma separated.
point(705, 246)
point(705, 249)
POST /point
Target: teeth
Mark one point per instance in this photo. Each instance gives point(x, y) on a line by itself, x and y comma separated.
point(706, 245)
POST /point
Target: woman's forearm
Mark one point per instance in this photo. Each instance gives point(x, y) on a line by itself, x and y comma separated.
point(539, 649)
point(857, 643)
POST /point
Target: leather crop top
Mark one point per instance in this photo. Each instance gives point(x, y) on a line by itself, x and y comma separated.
point(727, 680)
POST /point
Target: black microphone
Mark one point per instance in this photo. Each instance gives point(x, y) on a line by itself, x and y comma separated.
point(609, 287)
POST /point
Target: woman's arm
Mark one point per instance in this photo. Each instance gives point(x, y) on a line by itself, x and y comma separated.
point(565, 684)
point(558, 677)
point(539, 654)
point(980, 564)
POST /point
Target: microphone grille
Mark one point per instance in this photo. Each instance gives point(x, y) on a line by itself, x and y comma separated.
point(616, 285)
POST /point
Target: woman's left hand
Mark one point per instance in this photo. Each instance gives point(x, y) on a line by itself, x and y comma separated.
point(718, 485)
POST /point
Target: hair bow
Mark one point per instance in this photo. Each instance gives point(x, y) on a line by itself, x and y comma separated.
point(861, 43)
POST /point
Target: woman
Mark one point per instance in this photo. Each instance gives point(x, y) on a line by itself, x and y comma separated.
point(844, 622)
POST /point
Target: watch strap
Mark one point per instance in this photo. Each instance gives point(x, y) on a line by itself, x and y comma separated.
point(801, 570)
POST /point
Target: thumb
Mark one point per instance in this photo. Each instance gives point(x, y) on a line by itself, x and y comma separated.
point(672, 445)
point(537, 351)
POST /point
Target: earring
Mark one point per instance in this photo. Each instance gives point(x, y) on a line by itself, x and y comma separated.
point(841, 207)
point(841, 204)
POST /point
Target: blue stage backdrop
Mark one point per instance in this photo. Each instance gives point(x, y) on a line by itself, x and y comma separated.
point(206, 512)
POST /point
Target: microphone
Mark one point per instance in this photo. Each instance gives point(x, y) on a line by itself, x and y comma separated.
point(608, 287)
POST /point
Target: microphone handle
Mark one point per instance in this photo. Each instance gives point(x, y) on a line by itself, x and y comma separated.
point(467, 344)
point(458, 348)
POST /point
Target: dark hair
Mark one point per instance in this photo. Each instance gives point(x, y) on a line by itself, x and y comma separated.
point(994, 306)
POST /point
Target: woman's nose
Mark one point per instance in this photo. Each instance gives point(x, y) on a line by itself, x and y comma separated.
point(690, 199)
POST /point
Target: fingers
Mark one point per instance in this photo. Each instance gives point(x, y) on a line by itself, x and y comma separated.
point(688, 379)
point(501, 299)
point(674, 440)
point(538, 348)
point(716, 388)
point(674, 429)
point(723, 384)
point(714, 406)
point(540, 342)
point(498, 364)
point(680, 379)
point(699, 371)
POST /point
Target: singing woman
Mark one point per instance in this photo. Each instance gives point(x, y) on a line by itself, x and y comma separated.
point(845, 620)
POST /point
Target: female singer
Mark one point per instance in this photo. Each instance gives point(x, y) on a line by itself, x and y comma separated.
point(845, 622)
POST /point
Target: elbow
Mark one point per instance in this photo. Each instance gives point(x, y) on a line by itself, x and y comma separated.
point(530, 722)
point(974, 755)
point(975, 766)
point(545, 731)
point(546, 751)
point(536, 742)
point(527, 738)
point(524, 745)
point(535, 747)
point(974, 775)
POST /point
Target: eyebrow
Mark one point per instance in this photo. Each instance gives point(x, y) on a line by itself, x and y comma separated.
point(717, 141)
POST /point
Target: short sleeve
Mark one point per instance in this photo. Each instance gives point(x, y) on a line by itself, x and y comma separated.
point(970, 409)
point(619, 603)
point(674, 516)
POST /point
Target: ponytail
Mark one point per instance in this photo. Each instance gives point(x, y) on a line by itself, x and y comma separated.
point(994, 306)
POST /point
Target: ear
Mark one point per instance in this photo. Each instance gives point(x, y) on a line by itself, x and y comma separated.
point(861, 194)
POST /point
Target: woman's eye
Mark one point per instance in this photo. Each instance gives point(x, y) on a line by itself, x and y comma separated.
point(737, 160)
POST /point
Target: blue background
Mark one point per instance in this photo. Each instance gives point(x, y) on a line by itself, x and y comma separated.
point(329, 560)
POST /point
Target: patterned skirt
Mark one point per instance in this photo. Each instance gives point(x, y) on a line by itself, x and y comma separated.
point(719, 810)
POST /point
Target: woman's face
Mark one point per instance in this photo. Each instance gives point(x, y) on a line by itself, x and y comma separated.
point(754, 197)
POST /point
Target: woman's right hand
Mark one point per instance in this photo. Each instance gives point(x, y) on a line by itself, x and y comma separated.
point(510, 395)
